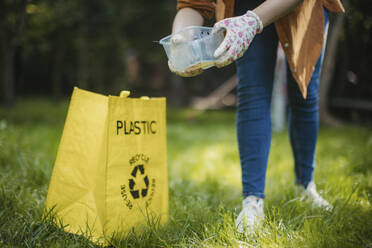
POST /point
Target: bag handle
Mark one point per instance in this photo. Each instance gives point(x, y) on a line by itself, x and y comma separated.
point(126, 93)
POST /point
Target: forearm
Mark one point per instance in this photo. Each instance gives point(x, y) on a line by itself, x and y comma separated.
point(187, 17)
point(271, 10)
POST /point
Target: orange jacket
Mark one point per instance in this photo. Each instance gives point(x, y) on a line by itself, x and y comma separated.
point(301, 32)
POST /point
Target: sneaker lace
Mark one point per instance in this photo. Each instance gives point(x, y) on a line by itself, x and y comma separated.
point(253, 205)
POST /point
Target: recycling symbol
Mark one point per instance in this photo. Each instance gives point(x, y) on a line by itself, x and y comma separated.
point(136, 185)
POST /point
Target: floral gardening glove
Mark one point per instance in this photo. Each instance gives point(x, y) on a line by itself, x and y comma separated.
point(240, 32)
point(176, 39)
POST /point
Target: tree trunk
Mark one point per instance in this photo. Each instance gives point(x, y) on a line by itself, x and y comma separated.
point(8, 45)
point(177, 96)
point(328, 69)
point(7, 93)
point(57, 68)
point(83, 66)
point(83, 74)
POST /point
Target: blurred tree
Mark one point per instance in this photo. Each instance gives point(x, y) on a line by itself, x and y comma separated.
point(12, 19)
point(48, 44)
point(335, 27)
point(84, 42)
point(350, 92)
point(75, 37)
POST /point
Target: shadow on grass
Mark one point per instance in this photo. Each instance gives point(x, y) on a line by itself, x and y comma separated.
point(201, 213)
point(194, 207)
point(297, 221)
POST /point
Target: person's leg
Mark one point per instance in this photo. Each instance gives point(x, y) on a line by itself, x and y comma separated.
point(303, 122)
point(303, 127)
point(255, 74)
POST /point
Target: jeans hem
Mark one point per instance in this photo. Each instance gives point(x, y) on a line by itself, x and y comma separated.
point(302, 183)
point(257, 194)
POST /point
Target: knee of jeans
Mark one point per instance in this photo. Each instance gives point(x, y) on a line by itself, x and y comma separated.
point(253, 96)
point(310, 104)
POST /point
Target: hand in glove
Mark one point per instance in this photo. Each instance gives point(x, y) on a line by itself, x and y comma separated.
point(240, 32)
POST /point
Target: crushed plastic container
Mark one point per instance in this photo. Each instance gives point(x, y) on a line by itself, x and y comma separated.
point(193, 48)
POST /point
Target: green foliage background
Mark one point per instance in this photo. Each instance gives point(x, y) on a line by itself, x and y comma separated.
point(69, 42)
point(85, 42)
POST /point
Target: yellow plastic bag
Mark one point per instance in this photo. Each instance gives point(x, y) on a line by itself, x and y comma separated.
point(110, 173)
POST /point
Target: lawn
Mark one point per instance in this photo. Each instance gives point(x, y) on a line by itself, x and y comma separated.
point(204, 183)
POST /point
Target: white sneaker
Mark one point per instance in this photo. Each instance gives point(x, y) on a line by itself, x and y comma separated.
point(312, 195)
point(251, 215)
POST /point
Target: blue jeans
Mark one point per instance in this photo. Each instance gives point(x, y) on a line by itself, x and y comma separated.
point(255, 73)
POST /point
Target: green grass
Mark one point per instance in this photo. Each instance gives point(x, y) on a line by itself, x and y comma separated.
point(204, 181)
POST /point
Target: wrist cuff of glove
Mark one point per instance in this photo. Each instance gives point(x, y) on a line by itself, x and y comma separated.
point(259, 22)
